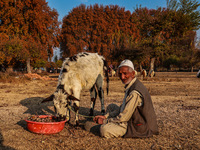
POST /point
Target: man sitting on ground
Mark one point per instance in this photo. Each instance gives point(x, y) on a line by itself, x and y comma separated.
point(135, 117)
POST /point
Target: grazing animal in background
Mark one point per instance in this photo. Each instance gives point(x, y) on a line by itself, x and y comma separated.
point(143, 73)
point(152, 73)
point(81, 71)
point(112, 73)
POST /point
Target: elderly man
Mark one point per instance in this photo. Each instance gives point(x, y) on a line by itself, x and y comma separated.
point(136, 116)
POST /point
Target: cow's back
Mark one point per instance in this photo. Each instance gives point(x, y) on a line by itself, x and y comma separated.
point(83, 69)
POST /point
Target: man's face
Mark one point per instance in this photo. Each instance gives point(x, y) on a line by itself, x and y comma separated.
point(126, 75)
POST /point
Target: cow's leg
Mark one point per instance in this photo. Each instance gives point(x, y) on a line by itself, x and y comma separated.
point(99, 84)
point(76, 109)
point(93, 95)
point(68, 112)
point(76, 104)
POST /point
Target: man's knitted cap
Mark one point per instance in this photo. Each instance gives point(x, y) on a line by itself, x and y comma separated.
point(126, 62)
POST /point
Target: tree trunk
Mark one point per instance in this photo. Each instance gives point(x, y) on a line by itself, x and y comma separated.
point(192, 69)
point(140, 67)
point(28, 65)
point(151, 65)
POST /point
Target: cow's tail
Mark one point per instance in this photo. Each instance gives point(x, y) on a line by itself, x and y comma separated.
point(106, 74)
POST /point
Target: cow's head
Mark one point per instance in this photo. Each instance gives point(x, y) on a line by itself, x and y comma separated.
point(60, 104)
point(60, 100)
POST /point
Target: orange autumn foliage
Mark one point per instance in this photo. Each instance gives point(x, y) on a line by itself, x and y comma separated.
point(33, 25)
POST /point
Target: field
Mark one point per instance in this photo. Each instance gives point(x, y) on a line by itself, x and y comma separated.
point(176, 99)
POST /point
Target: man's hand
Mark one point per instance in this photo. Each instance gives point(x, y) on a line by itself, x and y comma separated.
point(99, 119)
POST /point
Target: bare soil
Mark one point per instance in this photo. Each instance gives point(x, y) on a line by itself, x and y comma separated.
point(176, 99)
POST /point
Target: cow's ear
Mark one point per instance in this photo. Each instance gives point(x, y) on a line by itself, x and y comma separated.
point(72, 98)
point(50, 98)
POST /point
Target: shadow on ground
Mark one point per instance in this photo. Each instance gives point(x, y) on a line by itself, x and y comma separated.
point(2, 147)
point(35, 107)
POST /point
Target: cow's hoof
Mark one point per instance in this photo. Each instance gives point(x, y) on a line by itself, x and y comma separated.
point(103, 112)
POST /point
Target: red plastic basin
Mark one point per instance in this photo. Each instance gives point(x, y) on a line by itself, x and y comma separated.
point(45, 127)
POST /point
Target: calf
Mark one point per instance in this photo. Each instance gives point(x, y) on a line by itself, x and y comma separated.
point(152, 74)
point(82, 71)
point(143, 73)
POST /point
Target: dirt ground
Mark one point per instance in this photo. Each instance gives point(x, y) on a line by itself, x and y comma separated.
point(176, 99)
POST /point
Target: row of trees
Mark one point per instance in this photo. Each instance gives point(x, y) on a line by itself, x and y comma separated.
point(164, 35)
point(29, 30)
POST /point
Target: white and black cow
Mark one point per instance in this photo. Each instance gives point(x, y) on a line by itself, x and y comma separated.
point(81, 71)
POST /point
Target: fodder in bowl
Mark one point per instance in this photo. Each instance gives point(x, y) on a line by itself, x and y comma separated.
point(44, 124)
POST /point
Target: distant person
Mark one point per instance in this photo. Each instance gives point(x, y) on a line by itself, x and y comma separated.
point(135, 117)
point(198, 74)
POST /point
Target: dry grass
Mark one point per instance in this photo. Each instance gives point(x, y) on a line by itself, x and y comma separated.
point(175, 97)
point(13, 78)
